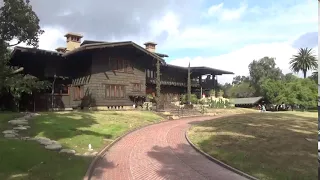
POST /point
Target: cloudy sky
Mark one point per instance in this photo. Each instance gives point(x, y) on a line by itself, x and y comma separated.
point(221, 34)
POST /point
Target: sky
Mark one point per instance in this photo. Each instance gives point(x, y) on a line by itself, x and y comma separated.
point(226, 35)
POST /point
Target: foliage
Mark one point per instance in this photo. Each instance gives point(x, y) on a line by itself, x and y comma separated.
point(212, 92)
point(241, 90)
point(301, 92)
point(220, 93)
point(303, 61)
point(193, 99)
point(219, 103)
point(290, 77)
point(272, 90)
point(226, 88)
point(240, 79)
point(20, 22)
point(262, 69)
point(20, 84)
point(17, 22)
point(314, 77)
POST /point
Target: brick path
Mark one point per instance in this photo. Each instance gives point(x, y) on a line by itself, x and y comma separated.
point(159, 152)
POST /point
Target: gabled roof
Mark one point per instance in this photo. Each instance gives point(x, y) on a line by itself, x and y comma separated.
point(251, 100)
point(35, 50)
point(112, 44)
point(86, 47)
point(201, 70)
point(161, 55)
point(91, 42)
point(209, 70)
point(95, 42)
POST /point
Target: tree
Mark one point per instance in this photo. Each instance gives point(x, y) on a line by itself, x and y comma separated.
point(303, 61)
point(262, 69)
point(242, 90)
point(27, 84)
point(226, 90)
point(272, 90)
point(290, 77)
point(17, 22)
point(239, 79)
point(314, 77)
point(299, 91)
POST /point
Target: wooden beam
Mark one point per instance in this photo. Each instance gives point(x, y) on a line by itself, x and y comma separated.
point(18, 70)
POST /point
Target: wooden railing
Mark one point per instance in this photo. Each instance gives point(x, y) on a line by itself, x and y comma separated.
point(173, 82)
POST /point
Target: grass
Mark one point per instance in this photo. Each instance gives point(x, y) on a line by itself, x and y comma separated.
point(266, 145)
point(231, 111)
point(74, 130)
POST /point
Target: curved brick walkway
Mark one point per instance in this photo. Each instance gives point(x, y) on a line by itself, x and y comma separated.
point(156, 152)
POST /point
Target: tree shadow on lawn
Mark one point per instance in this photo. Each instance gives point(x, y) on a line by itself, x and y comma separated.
point(30, 160)
point(265, 145)
point(73, 129)
point(64, 125)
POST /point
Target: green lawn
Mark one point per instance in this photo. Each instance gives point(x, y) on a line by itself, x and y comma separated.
point(75, 130)
point(266, 145)
point(231, 111)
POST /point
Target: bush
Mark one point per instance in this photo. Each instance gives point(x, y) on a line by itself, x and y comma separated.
point(219, 104)
point(193, 99)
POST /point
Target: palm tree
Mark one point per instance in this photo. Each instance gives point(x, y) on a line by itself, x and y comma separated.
point(303, 61)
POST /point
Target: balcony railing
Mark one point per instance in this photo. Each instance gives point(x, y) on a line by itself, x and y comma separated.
point(173, 82)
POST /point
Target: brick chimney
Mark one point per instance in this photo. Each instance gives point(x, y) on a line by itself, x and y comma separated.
point(150, 46)
point(73, 41)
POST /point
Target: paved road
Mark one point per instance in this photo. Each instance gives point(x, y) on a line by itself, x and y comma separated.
point(159, 152)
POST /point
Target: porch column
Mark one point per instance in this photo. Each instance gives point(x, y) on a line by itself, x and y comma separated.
point(214, 82)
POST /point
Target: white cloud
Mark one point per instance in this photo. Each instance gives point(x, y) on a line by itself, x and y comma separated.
point(226, 14)
point(237, 61)
point(273, 24)
point(270, 35)
point(49, 39)
point(214, 9)
point(168, 23)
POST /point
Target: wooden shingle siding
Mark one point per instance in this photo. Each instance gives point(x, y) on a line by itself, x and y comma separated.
point(103, 73)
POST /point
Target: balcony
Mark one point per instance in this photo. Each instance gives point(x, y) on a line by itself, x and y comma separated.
point(172, 82)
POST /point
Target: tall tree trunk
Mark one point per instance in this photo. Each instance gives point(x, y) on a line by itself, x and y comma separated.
point(189, 85)
point(304, 74)
point(158, 83)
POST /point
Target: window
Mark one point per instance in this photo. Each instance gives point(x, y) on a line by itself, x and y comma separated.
point(128, 67)
point(78, 92)
point(136, 87)
point(61, 89)
point(121, 65)
point(114, 91)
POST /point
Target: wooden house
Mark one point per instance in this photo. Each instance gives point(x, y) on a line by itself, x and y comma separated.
point(105, 75)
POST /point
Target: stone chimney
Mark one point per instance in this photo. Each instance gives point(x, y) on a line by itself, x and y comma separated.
point(61, 49)
point(150, 46)
point(73, 41)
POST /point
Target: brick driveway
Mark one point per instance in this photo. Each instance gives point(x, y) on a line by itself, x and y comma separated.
point(159, 151)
